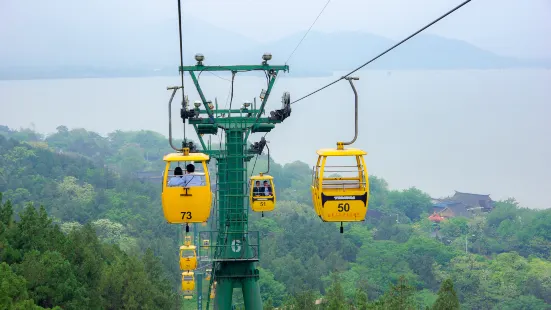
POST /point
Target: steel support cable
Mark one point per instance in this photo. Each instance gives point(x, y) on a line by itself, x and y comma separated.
point(212, 73)
point(181, 62)
point(321, 12)
point(295, 49)
point(216, 75)
point(293, 52)
point(231, 98)
point(388, 50)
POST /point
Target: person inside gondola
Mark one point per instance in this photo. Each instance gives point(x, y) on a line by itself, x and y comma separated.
point(177, 179)
point(192, 179)
point(267, 189)
point(258, 190)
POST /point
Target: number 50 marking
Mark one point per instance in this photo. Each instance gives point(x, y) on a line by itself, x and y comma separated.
point(184, 215)
point(345, 207)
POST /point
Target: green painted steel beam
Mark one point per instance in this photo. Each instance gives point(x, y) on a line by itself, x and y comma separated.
point(246, 121)
point(226, 111)
point(205, 129)
point(200, 138)
point(267, 67)
point(262, 128)
point(199, 285)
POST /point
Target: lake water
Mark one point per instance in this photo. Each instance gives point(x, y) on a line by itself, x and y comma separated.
point(484, 132)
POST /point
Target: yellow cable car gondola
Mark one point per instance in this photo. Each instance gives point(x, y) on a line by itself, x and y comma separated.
point(262, 195)
point(188, 294)
point(188, 257)
point(187, 240)
point(186, 197)
point(213, 290)
point(208, 274)
point(188, 281)
point(337, 197)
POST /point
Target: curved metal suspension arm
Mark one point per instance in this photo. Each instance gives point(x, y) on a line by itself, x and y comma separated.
point(174, 90)
point(356, 109)
point(268, 158)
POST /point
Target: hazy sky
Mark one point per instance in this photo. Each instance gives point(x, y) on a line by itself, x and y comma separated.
point(508, 27)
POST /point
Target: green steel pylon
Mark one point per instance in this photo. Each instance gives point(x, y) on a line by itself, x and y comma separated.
point(234, 249)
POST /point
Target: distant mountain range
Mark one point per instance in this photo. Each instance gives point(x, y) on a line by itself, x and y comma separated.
point(58, 51)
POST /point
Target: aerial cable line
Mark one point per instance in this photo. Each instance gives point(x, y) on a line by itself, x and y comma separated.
point(308, 31)
point(292, 53)
point(231, 98)
point(303, 37)
point(181, 61)
point(388, 50)
point(216, 75)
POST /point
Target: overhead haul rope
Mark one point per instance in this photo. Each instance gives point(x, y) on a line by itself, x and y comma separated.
point(388, 50)
point(267, 78)
point(307, 32)
point(291, 55)
point(231, 98)
point(303, 37)
point(181, 61)
point(216, 75)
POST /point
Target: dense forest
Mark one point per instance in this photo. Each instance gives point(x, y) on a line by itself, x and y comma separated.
point(82, 228)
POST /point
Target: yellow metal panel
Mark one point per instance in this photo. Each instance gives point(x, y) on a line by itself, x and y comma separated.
point(344, 210)
point(345, 152)
point(262, 177)
point(181, 157)
point(316, 184)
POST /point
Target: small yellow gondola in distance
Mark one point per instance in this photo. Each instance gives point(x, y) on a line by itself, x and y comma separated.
point(187, 204)
point(340, 199)
point(188, 294)
point(187, 240)
point(188, 281)
point(208, 274)
point(261, 202)
point(206, 244)
point(188, 257)
point(213, 290)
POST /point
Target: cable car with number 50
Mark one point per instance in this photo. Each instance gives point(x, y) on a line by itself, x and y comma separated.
point(340, 183)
